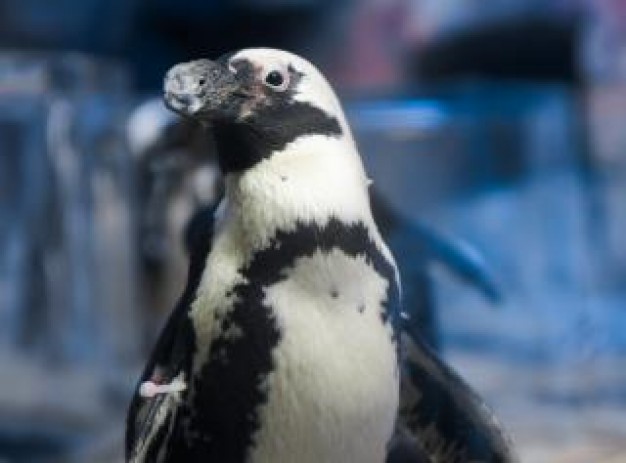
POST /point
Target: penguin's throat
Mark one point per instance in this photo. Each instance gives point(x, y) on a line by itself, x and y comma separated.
point(242, 146)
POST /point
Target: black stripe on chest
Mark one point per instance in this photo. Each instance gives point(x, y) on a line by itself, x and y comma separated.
point(231, 386)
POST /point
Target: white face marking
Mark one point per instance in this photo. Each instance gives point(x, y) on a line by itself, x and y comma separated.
point(333, 394)
point(313, 87)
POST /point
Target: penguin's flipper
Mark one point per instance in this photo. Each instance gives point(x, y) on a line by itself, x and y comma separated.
point(156, 404)
point(423, 245)
point(444, 416)
point(404, 448)
point(154, 425)
point(459, 258)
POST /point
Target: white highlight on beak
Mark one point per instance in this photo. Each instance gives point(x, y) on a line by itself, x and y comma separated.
point(149, 389)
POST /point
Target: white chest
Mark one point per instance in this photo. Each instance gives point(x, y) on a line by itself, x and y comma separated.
point(333, 393)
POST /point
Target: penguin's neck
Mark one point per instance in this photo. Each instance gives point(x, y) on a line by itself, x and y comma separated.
point(312, 180)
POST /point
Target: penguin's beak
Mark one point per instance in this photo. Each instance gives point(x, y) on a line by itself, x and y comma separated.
point(204, 90)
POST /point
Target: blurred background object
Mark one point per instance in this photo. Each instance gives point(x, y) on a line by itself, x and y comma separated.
point(492, 131)
point(67, 266)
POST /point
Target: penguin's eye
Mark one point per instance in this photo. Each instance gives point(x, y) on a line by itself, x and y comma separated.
point(276, 79)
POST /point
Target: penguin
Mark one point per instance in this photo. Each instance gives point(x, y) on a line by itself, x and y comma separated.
point(287, 344)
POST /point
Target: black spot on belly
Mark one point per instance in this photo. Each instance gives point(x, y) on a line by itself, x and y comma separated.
point(228, 395)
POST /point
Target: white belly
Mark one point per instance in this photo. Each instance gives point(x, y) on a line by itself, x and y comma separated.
point(333, 393)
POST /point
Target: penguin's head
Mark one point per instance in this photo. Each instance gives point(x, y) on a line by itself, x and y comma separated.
point(257, 101)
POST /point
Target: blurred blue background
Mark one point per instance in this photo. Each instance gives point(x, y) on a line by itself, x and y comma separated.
point(493, 132)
